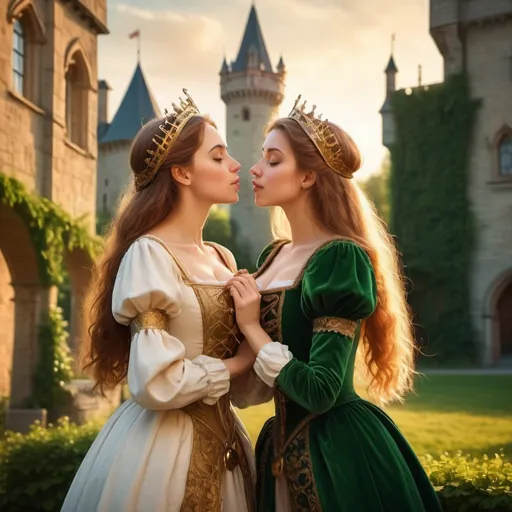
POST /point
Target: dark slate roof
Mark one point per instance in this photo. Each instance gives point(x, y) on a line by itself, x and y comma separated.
point(137, 105)
point(391, 67)
point(252, 40)
point(225, 67)
point(103, 84)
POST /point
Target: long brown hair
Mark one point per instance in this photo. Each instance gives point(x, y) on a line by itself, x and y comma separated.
point(106, 351)
point(342, 208)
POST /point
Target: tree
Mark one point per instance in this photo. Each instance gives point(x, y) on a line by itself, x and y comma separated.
point(377, 189)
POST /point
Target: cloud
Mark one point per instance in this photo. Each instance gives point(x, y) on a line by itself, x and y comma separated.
point(335, 52)
point(143, 14)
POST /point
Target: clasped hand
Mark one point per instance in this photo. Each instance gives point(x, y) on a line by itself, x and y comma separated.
point(244, 290)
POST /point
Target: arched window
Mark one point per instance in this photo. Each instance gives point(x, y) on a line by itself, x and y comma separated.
point(77, 88)
point(28, 36)
point(505, 157)
point(246, 114)
point(18, 57)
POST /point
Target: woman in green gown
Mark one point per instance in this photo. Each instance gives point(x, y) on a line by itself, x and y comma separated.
point(328, 290)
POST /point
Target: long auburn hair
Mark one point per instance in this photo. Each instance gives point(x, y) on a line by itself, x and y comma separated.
point(105, 352)
point(342, 208)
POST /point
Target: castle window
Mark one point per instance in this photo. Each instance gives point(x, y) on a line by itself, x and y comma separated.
point(18, 57)
point(28, 35)
point(106, 182)
point(104, 202)
point(505, 157)
point(246, 114)
point(77, 88)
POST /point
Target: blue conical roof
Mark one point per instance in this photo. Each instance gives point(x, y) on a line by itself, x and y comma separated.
point(252, 41)
point(137, 105)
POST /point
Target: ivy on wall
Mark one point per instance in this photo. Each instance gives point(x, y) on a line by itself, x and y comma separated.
point(431, 213)
point(52, 230)
point(55, 364)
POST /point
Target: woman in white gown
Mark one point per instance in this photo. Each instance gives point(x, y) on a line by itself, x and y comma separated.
point(163, 320)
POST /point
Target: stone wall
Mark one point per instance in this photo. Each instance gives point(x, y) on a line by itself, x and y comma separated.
point(489, 63)
point(114, 174)
point(245, 139)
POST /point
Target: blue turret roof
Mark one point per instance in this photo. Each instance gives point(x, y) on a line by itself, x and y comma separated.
point(137, 105)
point(252, 42)
point(391, 67)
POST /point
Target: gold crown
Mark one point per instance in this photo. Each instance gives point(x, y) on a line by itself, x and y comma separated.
point(171, 128)
point(322, 137)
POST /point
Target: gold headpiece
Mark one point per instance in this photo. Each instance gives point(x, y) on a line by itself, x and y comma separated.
point(322, 137)
point(171, 128)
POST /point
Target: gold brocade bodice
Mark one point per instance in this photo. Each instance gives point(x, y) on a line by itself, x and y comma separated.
point(217, 446)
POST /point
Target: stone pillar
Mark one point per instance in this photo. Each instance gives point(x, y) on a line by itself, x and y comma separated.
point(30, 302)
point(7, 327)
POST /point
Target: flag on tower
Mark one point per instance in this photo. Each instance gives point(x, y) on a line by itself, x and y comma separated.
point(134, 34)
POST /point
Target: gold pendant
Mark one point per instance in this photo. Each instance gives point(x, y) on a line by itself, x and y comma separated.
point(278, 466)
point(231, 459)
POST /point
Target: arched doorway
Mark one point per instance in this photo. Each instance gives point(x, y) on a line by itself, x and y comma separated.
point(498, 321)
point(504, 320)
point(30, 298)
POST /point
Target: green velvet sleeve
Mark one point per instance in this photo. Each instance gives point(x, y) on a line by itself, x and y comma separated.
point(338, 283)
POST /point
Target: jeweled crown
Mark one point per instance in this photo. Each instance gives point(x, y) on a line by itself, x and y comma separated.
point(322, 136)
point(173, 124)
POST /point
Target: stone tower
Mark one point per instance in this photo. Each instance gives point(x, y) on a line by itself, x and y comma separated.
point(115, 138)
point(252, 92)
point(475, 38)
point(388, 122)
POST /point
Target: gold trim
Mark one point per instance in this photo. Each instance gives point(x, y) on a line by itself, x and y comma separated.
point(302, 487)
point(150, 319)
point(335, 324)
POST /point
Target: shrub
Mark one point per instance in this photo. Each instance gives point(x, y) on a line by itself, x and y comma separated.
point(37, 469)
point(470, 484)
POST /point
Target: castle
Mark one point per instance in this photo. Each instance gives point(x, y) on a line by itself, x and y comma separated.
point(48, 97)
point(475, 37)
point(251, 89)
point(56, 140)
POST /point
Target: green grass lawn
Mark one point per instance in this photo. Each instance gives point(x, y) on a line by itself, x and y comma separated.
point(472, 413)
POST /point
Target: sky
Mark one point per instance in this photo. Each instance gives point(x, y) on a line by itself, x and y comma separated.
point(335, 52)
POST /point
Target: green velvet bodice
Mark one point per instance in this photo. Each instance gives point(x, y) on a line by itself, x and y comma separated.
point(336, 283)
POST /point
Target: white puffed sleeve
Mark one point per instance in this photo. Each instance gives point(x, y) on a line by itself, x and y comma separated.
point(271, 359)
point(147, 296)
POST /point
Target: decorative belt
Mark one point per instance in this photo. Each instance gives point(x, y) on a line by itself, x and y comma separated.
point(219, 420)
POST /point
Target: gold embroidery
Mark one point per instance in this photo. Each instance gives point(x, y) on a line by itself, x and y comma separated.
point(217, 444)
point(335, 324)
point(206, 473)
point(150, 319)
point(270, 314)
point(221, 337)
point(299, 474)
point(221, 334)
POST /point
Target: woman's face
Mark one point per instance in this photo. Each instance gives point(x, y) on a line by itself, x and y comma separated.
point(276, 179)
point(214, 174)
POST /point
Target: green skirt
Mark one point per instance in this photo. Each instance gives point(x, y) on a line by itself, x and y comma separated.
point(353, 458)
